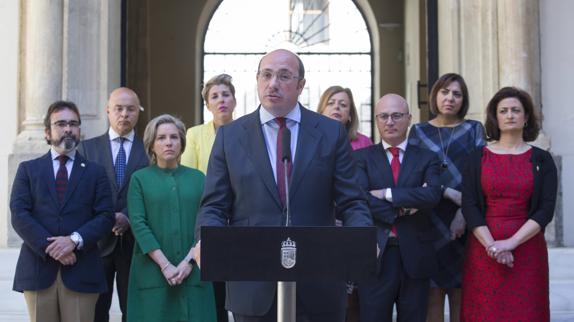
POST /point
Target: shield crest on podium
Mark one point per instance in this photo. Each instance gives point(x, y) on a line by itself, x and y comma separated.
point(288, 253)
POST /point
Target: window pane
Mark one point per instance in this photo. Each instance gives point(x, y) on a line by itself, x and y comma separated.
point(330, 37)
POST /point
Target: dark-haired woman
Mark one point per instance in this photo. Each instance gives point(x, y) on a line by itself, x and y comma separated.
point(453, 139)
point(509, 194)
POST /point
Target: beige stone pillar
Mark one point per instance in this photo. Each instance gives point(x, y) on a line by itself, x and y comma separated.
point(41, 79)
point(519, 45)
point(519, 50)
point(42, 46)
point(468, 46)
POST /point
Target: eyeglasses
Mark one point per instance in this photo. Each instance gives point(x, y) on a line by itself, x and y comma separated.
point(394, 116)
point(282, 76)
point(63, 124)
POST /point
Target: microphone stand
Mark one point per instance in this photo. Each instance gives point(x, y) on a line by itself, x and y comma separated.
point(286, 291)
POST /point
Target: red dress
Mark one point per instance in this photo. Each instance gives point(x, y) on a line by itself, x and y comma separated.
point(492, 291)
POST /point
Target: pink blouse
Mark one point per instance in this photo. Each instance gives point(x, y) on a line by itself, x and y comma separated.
point(362, 141)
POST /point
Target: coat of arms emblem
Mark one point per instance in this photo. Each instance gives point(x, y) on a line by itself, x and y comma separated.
point(288, 253)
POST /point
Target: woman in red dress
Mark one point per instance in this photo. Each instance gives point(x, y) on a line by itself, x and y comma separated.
point(508, 198)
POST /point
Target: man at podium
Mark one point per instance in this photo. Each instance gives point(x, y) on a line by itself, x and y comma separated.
point(245, 184)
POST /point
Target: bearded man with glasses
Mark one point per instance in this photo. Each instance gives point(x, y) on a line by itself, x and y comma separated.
point(61, 206)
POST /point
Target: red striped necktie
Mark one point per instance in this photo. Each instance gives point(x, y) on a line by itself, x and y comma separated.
point(279, 167)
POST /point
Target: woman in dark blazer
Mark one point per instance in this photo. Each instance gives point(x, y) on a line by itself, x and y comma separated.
point(508, 198)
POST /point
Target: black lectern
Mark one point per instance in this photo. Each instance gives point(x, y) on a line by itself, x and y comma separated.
point(293, 253)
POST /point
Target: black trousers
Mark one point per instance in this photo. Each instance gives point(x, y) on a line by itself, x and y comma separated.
point(271, 316)
point(219, 292)
point(116, 265)
point(393, 286)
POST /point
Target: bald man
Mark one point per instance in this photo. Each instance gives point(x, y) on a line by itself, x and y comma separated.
point(403, 185)
point(241, 186)
point(121, 153)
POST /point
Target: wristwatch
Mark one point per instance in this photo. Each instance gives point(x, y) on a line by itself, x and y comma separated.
point(76, 238)
point(192, 262)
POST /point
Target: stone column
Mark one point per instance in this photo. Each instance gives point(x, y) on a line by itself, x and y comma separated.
point(42, 40)
point(519, 45)
point(468, 46)
point(519, 51)
point(519, 65)
point(40, 82)
point(495, 43)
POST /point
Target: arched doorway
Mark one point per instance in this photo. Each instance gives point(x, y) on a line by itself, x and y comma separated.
point(330, 36)
point(164, 55)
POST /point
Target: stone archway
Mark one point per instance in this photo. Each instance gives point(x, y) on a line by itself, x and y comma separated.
point(331, 37)
point(165, 46)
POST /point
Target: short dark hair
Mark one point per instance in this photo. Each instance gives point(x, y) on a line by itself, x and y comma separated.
point(443, 82)
point(532, 127)
point(56, 107)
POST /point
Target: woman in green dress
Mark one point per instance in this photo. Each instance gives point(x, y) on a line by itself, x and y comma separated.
point(163, 200)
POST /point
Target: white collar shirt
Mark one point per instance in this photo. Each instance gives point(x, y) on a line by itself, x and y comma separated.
point(270, 130)
point(56, 163)
point(115, 143)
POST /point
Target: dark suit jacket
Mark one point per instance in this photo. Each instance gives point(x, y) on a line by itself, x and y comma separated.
point(542, 202)
point(99, 150)
point(415, 232)
point(37, 215)
point(240, 190)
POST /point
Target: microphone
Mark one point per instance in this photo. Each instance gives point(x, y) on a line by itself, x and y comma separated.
point(286, 145)
point(286, 160)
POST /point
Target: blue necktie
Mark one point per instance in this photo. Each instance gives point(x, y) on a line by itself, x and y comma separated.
point(120, 165)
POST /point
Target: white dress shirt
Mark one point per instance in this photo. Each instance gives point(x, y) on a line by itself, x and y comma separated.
point(402, 147)
point(56, 163)
point(271, 128)
point(115, 143)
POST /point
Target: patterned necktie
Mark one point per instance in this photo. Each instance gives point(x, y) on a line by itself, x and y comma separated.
point(279, 167)
point(395, 163)
point(62, 177)
point(120, 166)
point(396, 168)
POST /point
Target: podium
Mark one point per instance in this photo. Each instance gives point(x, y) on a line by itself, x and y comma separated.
point(288, 254)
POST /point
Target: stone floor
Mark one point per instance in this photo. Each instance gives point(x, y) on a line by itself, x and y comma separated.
point(13, 307)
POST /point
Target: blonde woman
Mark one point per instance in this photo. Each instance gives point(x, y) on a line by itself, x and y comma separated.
point(219, 96)
point(337, 103)
point(163, 200)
